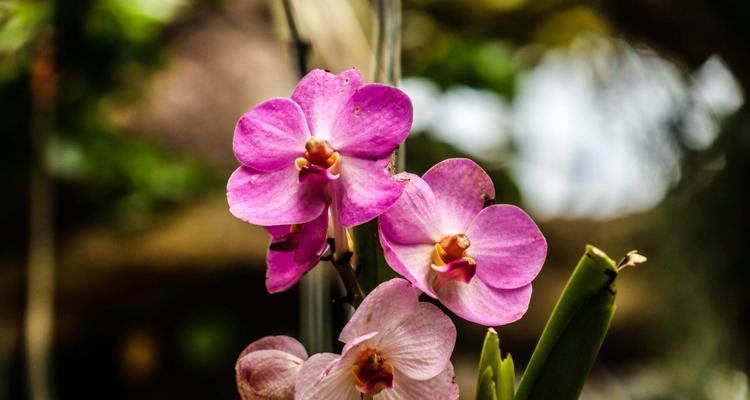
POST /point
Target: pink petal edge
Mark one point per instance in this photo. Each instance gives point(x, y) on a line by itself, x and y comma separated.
point(287, 266)
point(387, 305)
point(485, 305)
point(311, 386)
point(460, 187)
point(421, 345)
point(322, 95)
point(414, 218)
point(507, 245)
point(373, 122)
point(364, 190)
point(441, 387)
point(271, 135)
point(273, 198)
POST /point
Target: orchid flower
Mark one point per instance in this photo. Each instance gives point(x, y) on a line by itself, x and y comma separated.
point(267, 369)
point(294, 250)
point(329, 144)
point(396, 348)
point(478, 261)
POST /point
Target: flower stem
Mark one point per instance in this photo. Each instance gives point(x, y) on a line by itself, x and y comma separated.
point(342, 259)
point(340, 237)
point(372, 268)
point(40, 293)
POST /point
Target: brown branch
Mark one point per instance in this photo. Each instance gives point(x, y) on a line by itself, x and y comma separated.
point(354, 293)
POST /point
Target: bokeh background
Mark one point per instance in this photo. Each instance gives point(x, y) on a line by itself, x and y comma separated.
point(617, 123)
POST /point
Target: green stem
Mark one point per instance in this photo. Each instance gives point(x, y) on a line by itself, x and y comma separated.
point(372, 268)
point(574, 333)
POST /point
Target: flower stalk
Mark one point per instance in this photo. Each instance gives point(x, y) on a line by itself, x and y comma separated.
point(373, 269)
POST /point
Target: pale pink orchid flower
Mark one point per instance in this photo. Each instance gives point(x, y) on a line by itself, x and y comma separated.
point(478, 260)
point(267, 369)
point(396, 348)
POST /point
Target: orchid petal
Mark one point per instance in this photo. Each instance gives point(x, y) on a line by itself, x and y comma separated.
point(282, 343)
point(441, 387)
point(312, 385)
point(421, 345)
point(364, 190)
point(413, 262)
point(267, 375)
point(388, 304)
point(507, 245)
point(291, 255)
point(373, 122)
point(273, 198)
point(271, 135)
point(460, 187)
point(322, 95)
point(267, 368)
point(413, 219)
point(477, 302)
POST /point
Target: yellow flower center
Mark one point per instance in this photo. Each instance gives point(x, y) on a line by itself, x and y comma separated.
point(319, 152)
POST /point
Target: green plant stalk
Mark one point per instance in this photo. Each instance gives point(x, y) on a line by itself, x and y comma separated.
point(574, 333)
point(372, 268)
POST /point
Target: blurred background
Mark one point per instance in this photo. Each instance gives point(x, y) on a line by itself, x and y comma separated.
point(617, 123)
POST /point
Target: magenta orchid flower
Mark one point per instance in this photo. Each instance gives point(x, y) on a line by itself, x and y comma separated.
point(267, 369)
point(327, 145)
point(396, 348)
point(478, 261)
point(294, 250)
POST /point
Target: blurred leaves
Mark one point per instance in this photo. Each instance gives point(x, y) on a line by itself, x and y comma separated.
point(103, 47)
point(20, 23)
point(135, 20)
point(487, 65)
point(560, 29)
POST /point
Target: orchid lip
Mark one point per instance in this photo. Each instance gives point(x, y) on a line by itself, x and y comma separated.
point(450, 248)
point(318, 174)
point(450, 261)
point(289, 241)
point(372, 373)
point(462, 269)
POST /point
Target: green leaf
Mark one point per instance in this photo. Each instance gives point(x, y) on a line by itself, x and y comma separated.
point(500, 370)
point(574, 333)
point(486, 388)
point(490, 357)
point(506, 381)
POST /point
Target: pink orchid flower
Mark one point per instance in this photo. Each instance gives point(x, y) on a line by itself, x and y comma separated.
point(396, 348)
point(478, 261)
point(329, 144)
point(267, 369)
point(294, 250)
